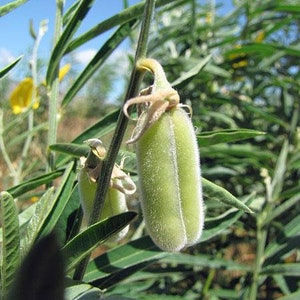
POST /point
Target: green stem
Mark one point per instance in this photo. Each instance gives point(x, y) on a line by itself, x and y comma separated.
point(30, 119)
point(261, 237)
point(132, 91)
point(54, 91)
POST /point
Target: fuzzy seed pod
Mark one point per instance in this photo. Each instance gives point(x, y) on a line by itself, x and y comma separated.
point(170, 181)
point(168, 164)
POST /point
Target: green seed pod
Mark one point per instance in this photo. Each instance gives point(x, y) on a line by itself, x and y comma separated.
point(170, 181)
point(114, 204)
point(120, 186)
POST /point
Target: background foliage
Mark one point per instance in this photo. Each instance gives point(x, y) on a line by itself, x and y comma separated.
point(240, 73)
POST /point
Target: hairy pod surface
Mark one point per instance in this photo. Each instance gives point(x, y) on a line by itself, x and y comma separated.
point(170, 181)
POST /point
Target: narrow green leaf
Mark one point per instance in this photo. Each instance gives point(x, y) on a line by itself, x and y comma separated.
point(192, 72)
point(98, 60)
point(215, 192)
point(24, 218)
point(122, 274)
point(279, 172)
point(223, 294)
point(69, 222)
point(71, 149)
point(33, 183)
point(82, 244)
point(101, 128)
point(292, 296)
point(49, 209)
point(60, 199)
point(292, 269)
point(123, 257)
point(282, 208)
point(82, 291)
point(206, 261)
point(215, 226)
point(217, 71)
point(266, 49)
point(288, 8)
point(282, 283)
point(70, 12)
point(272, 118)
point(22, 136)
point(124, 16)
point(226, 136)
point(238, 150)
point(63, 42)
point(286, 240)
point(10, 248)
point(42, 210)
point(5, 70)
point(5, 9)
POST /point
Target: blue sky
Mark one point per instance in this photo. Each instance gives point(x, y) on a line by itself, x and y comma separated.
point(15, 39)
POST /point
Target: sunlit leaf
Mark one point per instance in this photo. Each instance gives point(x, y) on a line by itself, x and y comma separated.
point(10, 247)
point(71, 149)
point(66, 36)
point(124, 16)
point(98, 60)
point(60, 199)
point(33, 183)
point(284, 269)
point(226, 136)
point(42, 210)
point(215, 192)
point(5, 70)
point(123, 257)
point(5, 9)
point(82, 244)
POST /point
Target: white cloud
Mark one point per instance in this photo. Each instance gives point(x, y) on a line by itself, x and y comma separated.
point(84, 56)
point(6, 57)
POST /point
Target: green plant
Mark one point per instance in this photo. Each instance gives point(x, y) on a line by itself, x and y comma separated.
point(240, 75)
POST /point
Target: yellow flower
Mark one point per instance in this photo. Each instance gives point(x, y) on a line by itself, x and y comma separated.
point(240, 64)
point(22, 96)
point(238, 59)
point(209, 17)
point(64, 71)
point(34, 199)
point(260, 37)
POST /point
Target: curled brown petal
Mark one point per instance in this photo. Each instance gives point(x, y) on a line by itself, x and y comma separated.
point(153, 114)
point(136, 100)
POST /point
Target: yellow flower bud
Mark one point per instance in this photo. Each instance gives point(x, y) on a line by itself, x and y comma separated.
point(22, 96)
point(63, 71)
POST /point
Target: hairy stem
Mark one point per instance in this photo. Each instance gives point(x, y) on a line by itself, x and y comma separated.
point(132, 91)
point(53, 92)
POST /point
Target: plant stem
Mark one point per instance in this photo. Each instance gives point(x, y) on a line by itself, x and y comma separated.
point(53, 92)
point(261, 237)
point(132, 91)
point(30, 119)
